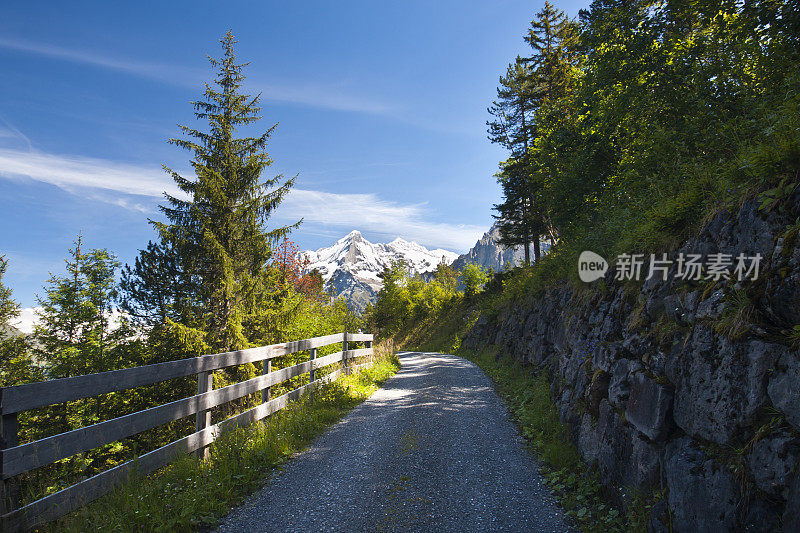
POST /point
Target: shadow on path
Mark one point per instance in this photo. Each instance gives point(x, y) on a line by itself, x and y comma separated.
point(433, 450)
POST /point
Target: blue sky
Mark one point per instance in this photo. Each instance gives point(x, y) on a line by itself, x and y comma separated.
point(381, 109)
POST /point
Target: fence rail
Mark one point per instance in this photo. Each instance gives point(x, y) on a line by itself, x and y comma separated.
point(17, 459)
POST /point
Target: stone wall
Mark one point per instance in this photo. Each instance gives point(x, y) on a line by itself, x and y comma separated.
point(687, 388)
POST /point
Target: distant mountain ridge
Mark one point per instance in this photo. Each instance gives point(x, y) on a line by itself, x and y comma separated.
point(488, 254)
point(350, 267)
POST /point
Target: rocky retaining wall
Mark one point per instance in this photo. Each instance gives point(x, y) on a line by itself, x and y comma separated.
point(684, 388)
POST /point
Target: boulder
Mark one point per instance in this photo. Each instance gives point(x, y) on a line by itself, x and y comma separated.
point(720, 386)
point(784, 387)
point(703, 495)
point(619, 387)
point(649, 408)
point(623, 458)
point(773, 461)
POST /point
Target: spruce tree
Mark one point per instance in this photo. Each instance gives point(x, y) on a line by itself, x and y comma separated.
point(16, 365)
point(218, 230)
point(530, 84)
point(74, 334)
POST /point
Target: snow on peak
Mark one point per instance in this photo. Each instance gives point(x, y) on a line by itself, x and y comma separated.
point(354, 260)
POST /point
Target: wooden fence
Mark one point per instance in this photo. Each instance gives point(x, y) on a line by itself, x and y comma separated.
point(16, 459)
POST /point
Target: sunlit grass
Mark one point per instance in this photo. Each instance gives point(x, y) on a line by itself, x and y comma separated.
point(190, 494)
point(575, 484)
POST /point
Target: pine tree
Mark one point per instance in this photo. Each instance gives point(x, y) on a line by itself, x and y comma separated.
point(74, 330)
point(219, 230)
point(16, 365)
point(528, 87)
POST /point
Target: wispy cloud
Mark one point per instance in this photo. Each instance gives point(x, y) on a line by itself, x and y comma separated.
point(335, 96)
point(9, 131)
point(73, 172)
point(168, 73)
point(367, 212)
point(121, 183)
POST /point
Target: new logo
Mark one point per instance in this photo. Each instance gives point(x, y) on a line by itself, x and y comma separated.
point(591, 266)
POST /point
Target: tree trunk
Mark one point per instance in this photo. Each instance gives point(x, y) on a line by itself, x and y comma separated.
point(537, 252)
point(527, 253)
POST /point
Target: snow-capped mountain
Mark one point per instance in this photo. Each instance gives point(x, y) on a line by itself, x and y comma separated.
point(351, 266)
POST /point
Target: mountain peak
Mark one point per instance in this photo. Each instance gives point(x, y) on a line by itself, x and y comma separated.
point(350, 267)
point(353, 236)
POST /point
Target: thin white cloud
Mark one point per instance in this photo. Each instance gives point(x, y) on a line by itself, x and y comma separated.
point(9, 131)
point(169, 73)
point(333, 96)
point(367, 212)
point(73, 172)
point(99, 179)
point(30, 317)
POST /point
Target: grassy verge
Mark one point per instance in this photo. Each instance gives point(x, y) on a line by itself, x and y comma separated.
point(527, 393)
point(575, 484)
point(189, 494)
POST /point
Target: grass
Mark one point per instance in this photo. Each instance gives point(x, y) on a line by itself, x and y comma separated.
point(574, 483)
point(191, 495)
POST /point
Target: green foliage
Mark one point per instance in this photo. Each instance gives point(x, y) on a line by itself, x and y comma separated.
point(189, 494)
point(218, 233)
point(404, 299)
point(75, 335)
point(473, 277)
point(16, 364)
point(665, 114)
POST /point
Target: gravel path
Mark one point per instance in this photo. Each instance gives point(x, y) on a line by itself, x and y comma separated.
point(433, 450)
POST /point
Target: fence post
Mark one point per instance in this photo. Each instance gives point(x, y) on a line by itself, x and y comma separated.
point(312, 375)
point(9, 492)
point(368, 344)
point(266, 394)
point(344, 355)
point(205, 382)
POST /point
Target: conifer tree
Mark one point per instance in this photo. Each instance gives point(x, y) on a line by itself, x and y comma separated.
point(529, 85)
point(16, 365)
point(157, 288)
point(218, 230)
point(74, 333)
point(511, 128)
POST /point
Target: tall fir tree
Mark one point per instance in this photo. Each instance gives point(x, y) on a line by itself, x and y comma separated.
point(528, 87)
point(218, 230)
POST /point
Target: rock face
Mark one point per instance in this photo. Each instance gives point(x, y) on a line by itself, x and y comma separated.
point(689, 387)
point(649, 408)
point(488, 254)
